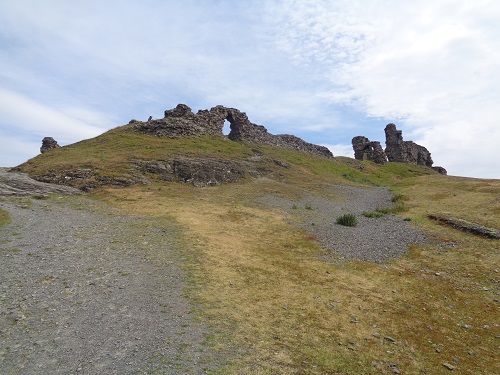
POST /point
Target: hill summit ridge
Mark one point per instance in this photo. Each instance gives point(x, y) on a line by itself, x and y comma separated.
point(182, 122)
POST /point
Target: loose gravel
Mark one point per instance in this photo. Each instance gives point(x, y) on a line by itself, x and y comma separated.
point(85, 289)
point(373, 239)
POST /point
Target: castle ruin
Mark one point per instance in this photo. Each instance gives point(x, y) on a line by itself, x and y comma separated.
point(396, 150)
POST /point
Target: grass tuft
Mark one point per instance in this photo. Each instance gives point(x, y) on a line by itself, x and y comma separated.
point(348, 220)
point(372, 214)
point(384, 210)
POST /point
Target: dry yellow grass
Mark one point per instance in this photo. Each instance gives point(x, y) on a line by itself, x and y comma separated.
point(283, 310)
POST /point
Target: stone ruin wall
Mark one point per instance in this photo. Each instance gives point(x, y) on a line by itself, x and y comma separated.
point(397, 150)
point(182, 122)
point(364, 149)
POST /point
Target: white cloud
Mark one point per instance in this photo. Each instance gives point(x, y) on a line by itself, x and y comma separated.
point(16, 151)
point(22, 114)
point(429, 66)
point(300, 67)
point(341, 150)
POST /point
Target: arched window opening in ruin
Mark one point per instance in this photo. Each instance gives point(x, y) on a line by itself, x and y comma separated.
point(227, 128)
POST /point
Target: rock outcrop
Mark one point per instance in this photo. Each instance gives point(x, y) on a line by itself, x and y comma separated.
point(396, 150)
point(364, 149)
point(440, 170)
point(48, 143)
point(401, 151)
point(182, 122)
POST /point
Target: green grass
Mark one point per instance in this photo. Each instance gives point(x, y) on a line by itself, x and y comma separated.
point(372, 214)
point(4, 217)
point(348, 220)
point(384, 210)
point(111, 154)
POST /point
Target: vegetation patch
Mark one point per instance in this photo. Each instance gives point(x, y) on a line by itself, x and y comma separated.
point(348, 220)
point(40, 196)
point(372, 214)
point(384, 210)
point(4, 217)
point(399, 207)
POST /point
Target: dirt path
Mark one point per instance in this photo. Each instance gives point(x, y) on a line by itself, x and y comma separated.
point(87, 290)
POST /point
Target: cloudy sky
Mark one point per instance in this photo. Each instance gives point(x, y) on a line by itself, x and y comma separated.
point(325, 71)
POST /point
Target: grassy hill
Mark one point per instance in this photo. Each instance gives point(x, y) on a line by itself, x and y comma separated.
point(274, 304)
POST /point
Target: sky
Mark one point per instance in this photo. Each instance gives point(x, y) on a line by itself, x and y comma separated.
point(325, 71)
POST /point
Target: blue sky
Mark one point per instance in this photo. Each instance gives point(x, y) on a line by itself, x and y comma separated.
point(325, 71)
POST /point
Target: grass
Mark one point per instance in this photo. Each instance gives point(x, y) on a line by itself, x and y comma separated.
point(384, 210)
point(110, 155)
point(290, 312)
point(4, 217)
point(348, 220)
point(278, 308)
point(372, 214)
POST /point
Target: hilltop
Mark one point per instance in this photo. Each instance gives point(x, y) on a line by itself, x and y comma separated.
point(188, 147)
point(281, 286)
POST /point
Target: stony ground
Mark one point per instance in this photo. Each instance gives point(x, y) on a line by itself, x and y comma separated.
point(88, 290)
point(373, 239)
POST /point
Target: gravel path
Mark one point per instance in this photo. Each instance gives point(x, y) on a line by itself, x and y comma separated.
point(373, 239)
point(87, 290)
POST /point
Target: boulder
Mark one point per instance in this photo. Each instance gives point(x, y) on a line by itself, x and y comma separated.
point(48, 143)
point(440, 170)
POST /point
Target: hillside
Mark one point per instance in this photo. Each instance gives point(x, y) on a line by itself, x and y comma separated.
point(280, 298)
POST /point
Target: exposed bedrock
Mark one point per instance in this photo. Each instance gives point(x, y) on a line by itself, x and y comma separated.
point(402, 151)
point(182, 122)
point(364, 149)
point(48, 143)
point(396, 150)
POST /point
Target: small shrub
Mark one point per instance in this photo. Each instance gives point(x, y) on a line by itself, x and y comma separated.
point(308, 207)
point(372, 214)
point(294, 207)
point(407, 219)
point(349, 220)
